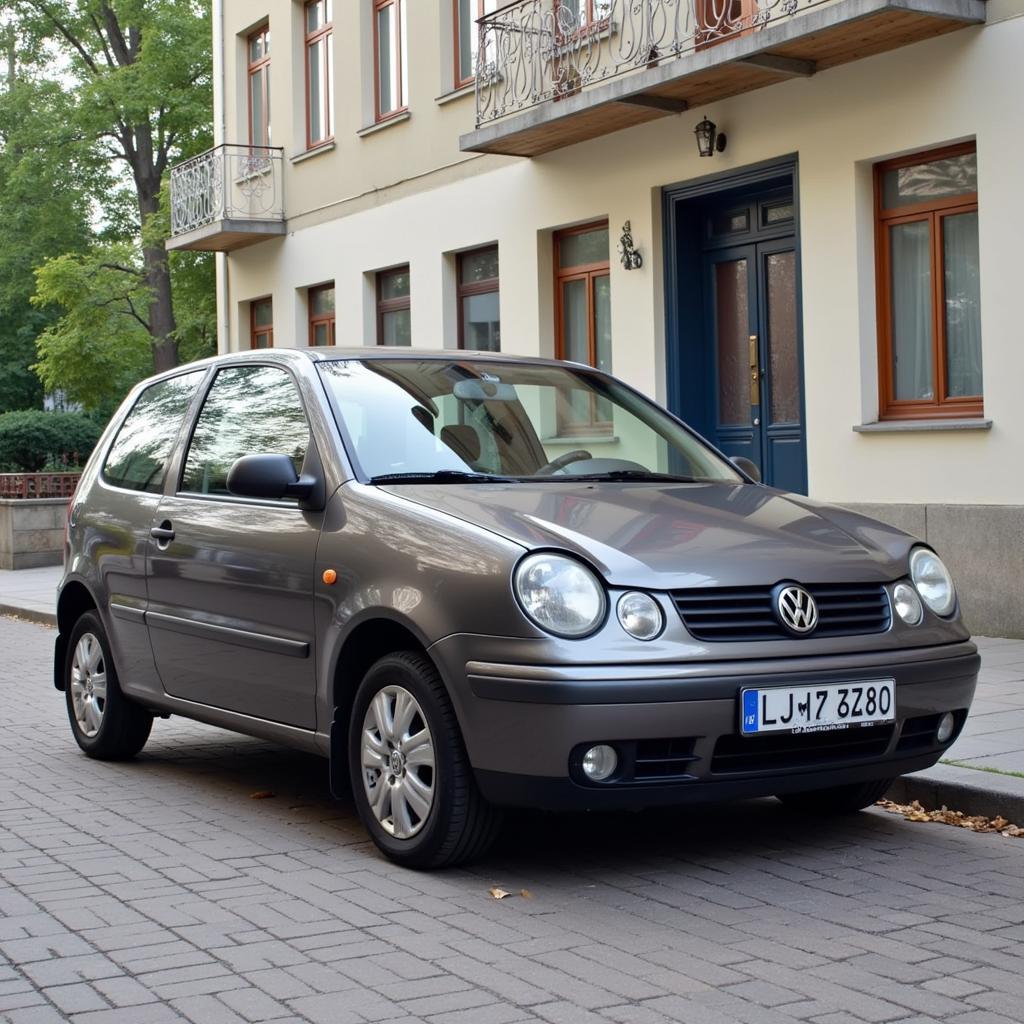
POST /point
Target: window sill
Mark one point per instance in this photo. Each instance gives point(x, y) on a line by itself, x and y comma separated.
point(456, 94)
point(372, 129)
point(324, 147)
point(920, 426)
point(581, 439)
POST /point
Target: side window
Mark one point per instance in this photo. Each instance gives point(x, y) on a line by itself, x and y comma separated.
point(137, 459)
point(250, 410)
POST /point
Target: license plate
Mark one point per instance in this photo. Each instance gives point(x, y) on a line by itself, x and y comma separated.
point(817, 708)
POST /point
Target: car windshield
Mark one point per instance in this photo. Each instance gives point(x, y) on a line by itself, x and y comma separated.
point(468, 421)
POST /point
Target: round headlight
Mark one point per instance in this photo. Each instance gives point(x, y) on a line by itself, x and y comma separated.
point(907, 603)
point(560, 594)
point(933, 581)
point(640, 615)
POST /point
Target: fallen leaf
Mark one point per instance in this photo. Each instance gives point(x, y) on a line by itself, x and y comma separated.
point(498, 893)
point(974, 822)
point(261, 794)
point(526, 894)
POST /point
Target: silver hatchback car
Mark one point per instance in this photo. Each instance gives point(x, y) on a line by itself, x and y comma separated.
point(472, 581)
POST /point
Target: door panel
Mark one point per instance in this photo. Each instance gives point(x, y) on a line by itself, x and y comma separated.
point(231, 607)
point(731, 286)
point(230, 580)
point(752, 296)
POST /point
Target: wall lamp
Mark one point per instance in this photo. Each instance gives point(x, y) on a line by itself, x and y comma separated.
point(709, 142)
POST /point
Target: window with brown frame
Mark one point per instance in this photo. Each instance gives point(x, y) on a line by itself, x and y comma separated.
point(479, 320)
point(261, 323)
point(718, 20)
point(258, 45)
point(929, 302)
point(391, 81)
point(467, 37)
point(583, 330)
point(319, 15)
point(321, 315)
point(394, 323)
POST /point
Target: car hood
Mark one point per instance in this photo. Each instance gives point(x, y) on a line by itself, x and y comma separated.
point(665, 536)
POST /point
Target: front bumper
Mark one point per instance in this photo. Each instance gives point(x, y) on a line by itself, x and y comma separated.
point(524, 724)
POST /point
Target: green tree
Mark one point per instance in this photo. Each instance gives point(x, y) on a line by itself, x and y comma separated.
point(139, 76)
point(43, 212)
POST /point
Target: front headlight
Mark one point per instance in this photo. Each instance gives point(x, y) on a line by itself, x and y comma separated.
point(560, 594)
point(933, 581)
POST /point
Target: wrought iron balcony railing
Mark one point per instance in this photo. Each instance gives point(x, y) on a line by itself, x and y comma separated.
point(532, 51)
point(229, 183)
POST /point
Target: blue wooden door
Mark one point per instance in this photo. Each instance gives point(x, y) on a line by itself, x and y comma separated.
point(755, 373)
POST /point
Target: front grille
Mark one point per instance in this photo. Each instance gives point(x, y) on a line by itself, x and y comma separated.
point(748, 613)
point(734, 754)
point(657, 760)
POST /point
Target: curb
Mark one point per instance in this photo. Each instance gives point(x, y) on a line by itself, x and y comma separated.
point(963, 789)
point(30, 614)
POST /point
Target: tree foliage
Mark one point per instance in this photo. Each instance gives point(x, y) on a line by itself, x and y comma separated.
point(133, 77)
point(32, 440)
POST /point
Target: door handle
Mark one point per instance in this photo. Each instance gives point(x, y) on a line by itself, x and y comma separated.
point(163, 534)
point(755, 373)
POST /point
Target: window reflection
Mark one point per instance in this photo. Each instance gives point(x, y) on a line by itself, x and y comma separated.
point(250, 410)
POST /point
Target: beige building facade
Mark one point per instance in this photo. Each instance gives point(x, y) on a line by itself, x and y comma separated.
point(833, 294)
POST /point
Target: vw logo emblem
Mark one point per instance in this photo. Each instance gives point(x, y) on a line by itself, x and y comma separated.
point(797, 610)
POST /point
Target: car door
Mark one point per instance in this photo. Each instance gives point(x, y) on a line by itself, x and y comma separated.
point(230, 579)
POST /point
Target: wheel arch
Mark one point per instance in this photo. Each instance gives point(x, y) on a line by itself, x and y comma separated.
point(376, 635)
point(74, 601)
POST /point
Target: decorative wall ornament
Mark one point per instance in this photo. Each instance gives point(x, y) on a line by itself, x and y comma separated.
point(630, 255)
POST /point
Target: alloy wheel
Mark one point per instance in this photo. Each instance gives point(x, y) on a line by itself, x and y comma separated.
point(397, 759)
point(88, 684)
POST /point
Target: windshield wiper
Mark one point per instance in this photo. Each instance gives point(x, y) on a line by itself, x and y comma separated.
point(614, 475)
point(442, 476)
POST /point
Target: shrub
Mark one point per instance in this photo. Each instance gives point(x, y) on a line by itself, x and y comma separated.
point(31, 440)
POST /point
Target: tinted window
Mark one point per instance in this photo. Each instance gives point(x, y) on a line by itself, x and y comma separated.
point(250, 410)
point(138, 457)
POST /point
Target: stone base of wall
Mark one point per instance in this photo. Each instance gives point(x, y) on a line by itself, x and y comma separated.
point(32, 532)
point(983, 546)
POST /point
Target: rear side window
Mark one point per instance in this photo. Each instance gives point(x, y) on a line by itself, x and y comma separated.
point(137, 459)
point(250, 410)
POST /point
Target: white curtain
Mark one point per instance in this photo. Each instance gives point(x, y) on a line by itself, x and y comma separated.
point(911, 280)
point(963, 304)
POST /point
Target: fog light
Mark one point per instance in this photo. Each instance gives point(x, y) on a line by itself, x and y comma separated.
point(907, 603)
point(945, 729)
point(600, 762)
point(640, 615)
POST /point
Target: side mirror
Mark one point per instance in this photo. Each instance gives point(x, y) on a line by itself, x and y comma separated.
point(739, 461)
point(268, 476)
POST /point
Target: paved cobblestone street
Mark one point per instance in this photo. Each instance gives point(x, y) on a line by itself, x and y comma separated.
point(160, 891)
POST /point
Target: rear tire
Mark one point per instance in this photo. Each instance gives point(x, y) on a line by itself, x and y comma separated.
point(105, 723)
point(411, 779)
point(837, 799)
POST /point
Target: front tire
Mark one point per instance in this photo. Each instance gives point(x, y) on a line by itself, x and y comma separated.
point(105, 723)
point(838, 799)
point(411, 779)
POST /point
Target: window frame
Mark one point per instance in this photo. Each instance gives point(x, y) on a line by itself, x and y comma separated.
point(588, 272)
point(481, 10)
point(398, 56)
point(315, 319)
point(394, 305)
point(324, 34)
point(933, 212)
point(252, 68)
point(464, 291)
point(256, 331)
point(194, 415)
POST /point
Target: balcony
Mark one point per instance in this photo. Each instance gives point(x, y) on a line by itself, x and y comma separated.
point(552, 73)
point(226, 198)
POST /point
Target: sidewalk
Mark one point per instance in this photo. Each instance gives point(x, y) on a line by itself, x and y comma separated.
point(982, 773)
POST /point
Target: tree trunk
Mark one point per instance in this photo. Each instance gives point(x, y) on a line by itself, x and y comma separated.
point(161, 321)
